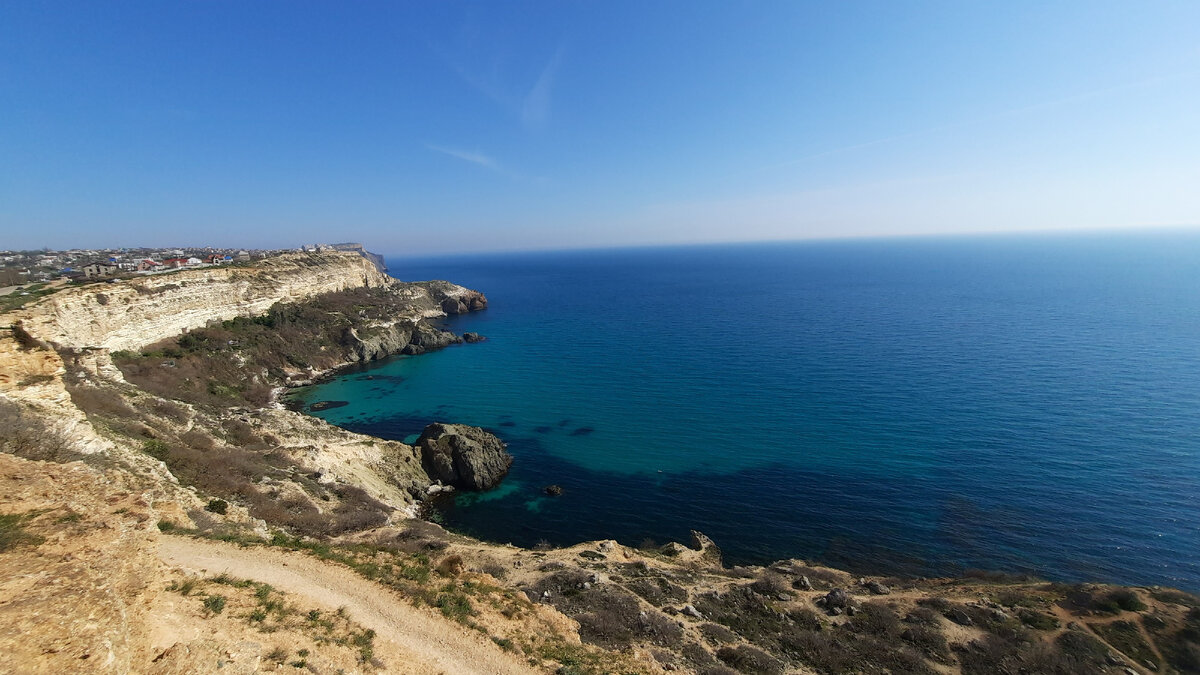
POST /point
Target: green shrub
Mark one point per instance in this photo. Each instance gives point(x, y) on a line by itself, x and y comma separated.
point(1125, 636)
point(454, 604)
point(365, 642)
point(876, 618)
point(217, 506)
point(1038, 620)
point(214, 604)
point(747, 659)
point(1127, 599)
point(13, 534)
point(156, 448)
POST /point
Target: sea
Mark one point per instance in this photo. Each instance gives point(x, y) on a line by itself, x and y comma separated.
point(1026, 404)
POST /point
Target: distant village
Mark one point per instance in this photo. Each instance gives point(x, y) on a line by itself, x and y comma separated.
point(28, 267)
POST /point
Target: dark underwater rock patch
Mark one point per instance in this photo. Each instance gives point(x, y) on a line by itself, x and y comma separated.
point(327, 405)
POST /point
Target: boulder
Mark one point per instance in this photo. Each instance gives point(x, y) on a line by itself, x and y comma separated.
point(836, 601)
point(877, 588)
point(553, 490)
point(473, 337)
point(959, 617)
point(673, 549)
point(466, 457)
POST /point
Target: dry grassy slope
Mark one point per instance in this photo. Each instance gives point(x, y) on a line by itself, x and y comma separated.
point(92, 596)
point(78, 601)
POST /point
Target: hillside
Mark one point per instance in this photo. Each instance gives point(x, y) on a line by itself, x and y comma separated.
point(160, 512)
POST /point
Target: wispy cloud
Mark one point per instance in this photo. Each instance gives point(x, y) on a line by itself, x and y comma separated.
point(535, 109)
point(467, 156)
point(486, 69)
point(486, 161)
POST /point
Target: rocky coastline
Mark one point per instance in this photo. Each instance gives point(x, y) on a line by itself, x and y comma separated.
point(138, 412)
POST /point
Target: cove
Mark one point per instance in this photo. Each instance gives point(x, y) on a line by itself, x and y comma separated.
point(923, 406)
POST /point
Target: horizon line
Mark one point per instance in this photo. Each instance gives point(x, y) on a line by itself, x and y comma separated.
point(1127, 229)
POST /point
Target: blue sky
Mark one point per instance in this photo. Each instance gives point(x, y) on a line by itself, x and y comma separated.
point(437, 127)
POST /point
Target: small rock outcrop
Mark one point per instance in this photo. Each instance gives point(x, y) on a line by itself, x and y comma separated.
point(836, 602)
point(425, 338)
point(469, 301)
point(877, 588)
point(553, 490)
point(466, 457)
point(708, 550)
point(473, 337)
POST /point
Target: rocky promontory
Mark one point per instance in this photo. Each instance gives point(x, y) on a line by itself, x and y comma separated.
point(466, 457)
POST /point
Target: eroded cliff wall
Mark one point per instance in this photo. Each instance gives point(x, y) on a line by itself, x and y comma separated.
point(59, 349)
point(134, 313)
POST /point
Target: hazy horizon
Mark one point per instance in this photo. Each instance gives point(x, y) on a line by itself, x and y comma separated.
point(457, 127)
point(420, 255)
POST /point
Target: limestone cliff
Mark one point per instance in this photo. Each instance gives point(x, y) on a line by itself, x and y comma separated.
point(137, 312)
point(58, 380)
point(375, 258)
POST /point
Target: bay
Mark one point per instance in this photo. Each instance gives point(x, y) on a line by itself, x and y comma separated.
point(921, 406)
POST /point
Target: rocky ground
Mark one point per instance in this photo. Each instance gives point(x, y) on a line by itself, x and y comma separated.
point(172, 524)
point(99, 577)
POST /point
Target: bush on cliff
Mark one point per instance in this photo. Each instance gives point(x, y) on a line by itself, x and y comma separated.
point(239, 361)
point(242, 467)
point(608, 616)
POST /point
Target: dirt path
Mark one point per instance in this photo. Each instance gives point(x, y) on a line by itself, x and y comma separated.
point(438, 644)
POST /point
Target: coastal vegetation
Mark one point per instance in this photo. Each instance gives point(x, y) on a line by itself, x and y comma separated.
point(241, 361)
point(228, 459)
point(713, 619)
point(13, 532)
point(267, 611)
point(25, 295)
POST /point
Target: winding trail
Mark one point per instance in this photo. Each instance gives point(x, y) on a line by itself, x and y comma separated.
point(437, 644)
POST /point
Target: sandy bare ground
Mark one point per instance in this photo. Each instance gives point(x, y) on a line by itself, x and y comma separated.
point(435, 644)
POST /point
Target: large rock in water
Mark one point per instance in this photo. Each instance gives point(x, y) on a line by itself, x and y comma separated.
point(466, 457)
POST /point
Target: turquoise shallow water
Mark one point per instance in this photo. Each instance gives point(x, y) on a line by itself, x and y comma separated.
point(919, 406)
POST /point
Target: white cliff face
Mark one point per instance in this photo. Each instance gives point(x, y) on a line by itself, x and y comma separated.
point(139, 312)
point(69, 336)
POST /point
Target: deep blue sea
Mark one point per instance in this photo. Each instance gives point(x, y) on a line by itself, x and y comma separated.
point(1026, 404)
